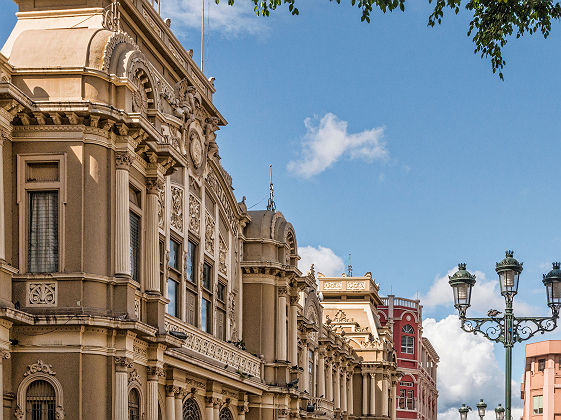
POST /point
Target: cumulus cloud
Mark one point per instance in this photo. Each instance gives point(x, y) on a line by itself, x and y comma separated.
point(327, 141)
point(324, 259)
point(485, 295)
point(231, 20)
point(468, 369)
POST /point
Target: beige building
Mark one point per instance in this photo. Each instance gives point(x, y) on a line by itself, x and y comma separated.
point(541, 388)
point(132, 284)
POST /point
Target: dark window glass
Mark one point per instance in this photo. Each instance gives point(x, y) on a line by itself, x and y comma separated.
point(42, 252)
point(134, 405)
point(207, 276)
point(221, 324)
point(40, 401)
point(191, 410)
point(541, 365)
point(135, 245)
point(173, 254)
point(173, 298)
point(190, 263)
point(408, 329)
point(206, 321)
point(221, 294)
point(407, 344)
point(191, 308)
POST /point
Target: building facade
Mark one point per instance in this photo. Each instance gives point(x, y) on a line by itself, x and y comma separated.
point(541, 387)
point(416, 358)
point(133, 285)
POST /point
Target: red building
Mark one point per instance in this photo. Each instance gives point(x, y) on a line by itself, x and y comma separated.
point(416, 358)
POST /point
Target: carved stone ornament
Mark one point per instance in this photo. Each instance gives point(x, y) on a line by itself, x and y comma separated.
point(123, 362)
point(42, 293)
point(161, 208)
point(209, 234)
point(196, 149)
point(154, 185)
point(156, 371)
point(222, 254)
point(211, 125)
point(341, 316)
point(282, 291)
point(123, 160)
point(139, 97)
point(134, 376)
point(177, 208)
point(194, 215)
point(19, 413)
point(39, 367)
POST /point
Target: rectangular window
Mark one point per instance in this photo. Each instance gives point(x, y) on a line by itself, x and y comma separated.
point(207, 277)
point(402, 398)
point(173, 305)
point(221, 324)
point(191, 308)
point(206, 321)
point(42, 252)
point(406, 383)
point(541, 365)
point(407, 344)
point(311, 370)
point(221, 294)
point(173, 254)
point(537, 404)
point(135, 245)
point(410, 403)
point(191, 263)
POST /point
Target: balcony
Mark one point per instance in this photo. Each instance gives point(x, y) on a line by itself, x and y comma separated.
point(217, 350)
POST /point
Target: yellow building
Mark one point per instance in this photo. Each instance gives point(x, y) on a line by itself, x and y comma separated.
point(133, 285)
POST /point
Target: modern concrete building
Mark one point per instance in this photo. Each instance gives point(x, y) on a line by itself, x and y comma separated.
point(416, 358)
point(541, 388)
point(133, 285)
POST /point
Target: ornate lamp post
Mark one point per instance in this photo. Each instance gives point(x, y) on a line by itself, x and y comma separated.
point(481, 406)
point(508, 329)
point(464, 412)
point(500, 412)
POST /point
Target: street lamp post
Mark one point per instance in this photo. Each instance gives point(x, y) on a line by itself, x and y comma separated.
point(509, 329)
point(481, 406)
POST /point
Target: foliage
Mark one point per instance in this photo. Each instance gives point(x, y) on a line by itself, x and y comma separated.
point(492, 24)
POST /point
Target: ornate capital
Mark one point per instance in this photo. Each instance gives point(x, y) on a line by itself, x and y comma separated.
point(123, 160)
point(283, 291)
point(154, 185)
point(123, 362)
point(173, 389)
point(294, 300)
point(156, 371)
point(5, 354)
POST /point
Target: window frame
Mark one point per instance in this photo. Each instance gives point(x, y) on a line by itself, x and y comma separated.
point(138, 211)
point(539, 409)
point(22, 199)
point(541, 365)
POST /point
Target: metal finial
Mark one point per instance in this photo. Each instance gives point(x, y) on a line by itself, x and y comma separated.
point(271, 204)
point(349, 267)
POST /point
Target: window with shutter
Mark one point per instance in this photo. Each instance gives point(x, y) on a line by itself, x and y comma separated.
point(191, 308)
point(42, 251)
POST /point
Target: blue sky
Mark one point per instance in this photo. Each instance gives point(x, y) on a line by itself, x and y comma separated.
point(443, 161)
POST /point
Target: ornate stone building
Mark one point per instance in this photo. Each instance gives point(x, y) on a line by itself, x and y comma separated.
point(132, 284)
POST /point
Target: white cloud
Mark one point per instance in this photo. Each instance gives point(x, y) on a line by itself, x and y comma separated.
point(467, 370)
point(485, 295)
point(328, 141)
point(221, 17)
point(324, 259)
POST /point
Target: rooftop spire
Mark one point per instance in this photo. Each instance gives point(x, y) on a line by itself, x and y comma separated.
point(349, 267)
point(271, 204)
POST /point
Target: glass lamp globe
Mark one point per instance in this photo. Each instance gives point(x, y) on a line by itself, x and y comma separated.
point(500, 412)
point(462, 282)
point(552, 283)
point(464, 412)
point(481, 406)
point(509, 270)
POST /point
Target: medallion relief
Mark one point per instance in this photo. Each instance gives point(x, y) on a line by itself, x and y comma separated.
point(41, 294)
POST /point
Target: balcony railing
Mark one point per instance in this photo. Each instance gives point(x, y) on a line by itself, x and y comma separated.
point(408, 303)
point(215, 349)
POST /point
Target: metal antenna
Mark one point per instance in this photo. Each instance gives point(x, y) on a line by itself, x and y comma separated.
point(271, 204)
point(349, 267)
point(202, 33)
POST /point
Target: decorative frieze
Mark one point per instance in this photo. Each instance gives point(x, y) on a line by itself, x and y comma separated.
point(194, 214)
point(333, 285)
point(177, 208)
point(42, 293)
point(209, 233)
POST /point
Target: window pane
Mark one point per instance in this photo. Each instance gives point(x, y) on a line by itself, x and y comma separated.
point(172, 296)
point(207, 277)
point(206, 325)
point(408, 329)
point(135, 244)
point(221, 295)
point(221, 324)
point(191, 308)
point(173, 254)
point(42, 253)
point(190, 263)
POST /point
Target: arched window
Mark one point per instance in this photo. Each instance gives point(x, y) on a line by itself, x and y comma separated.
point(191, 410)
point(40, 401)
point(134, 405)
point(226, 414)
point(408, 339)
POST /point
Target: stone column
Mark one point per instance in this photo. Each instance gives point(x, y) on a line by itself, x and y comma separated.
point(281, 324)
point(293, 339)
point(170, 402)
point(153, 186)
point(350, 402)
point(2, 222)
point(122, 364)
point(305, 372)
point(385, 389)
point(123, 162)
point(394, 401)
point(179, 404)
point(3, 355)
point(152, 393)
point(364, 393)
point(321, 374)
point(242, 409)
point(216, 407)
point(209, 409)
point(329, 381)
point(372, 394)
point(344, 391)
point(337, 388)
